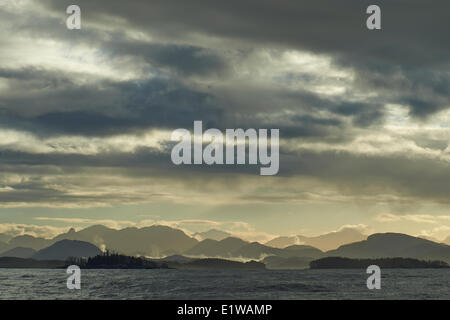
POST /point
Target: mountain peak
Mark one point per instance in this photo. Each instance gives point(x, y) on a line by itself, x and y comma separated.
point(386, 245)
point(64, 249)
point(214, 234)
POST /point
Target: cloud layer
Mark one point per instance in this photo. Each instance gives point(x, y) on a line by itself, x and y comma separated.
point(363, 116)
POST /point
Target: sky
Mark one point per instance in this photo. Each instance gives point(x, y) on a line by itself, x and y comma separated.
point(86, 115)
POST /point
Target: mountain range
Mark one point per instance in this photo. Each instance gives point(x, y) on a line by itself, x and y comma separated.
point(64, 249)
point(147, 241)
point(213, 234)
point(325, 242)
point(163, 241)
point(385, 245)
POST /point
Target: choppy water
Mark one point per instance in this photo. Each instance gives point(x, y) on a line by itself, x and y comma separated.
point(227, 284)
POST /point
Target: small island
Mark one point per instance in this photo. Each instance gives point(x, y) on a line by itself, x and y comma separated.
point(389, 263)
point(109, 260)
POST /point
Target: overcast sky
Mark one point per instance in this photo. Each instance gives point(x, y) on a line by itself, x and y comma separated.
point(86, 115)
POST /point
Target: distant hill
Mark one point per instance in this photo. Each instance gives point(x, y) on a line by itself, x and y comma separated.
point(255, 250)
point(430, 238)
point(212, 234)
point(162, 241)
point(174, 258)
point(301, 251)
point(347, 263)
point(283, 241)
point(64, 249)
point(383, 245)
point(323, 242)
point(148, 241)
point(4, 237)
point(19, 252)
point(95, 234)
point(27, 241)
point(446, 240)
point(3, 246)
point(237, 248)
point(293, 257)
point(334, 239)
point(214, 248)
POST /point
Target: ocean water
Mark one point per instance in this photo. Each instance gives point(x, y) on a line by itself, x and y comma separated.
point(226, 284)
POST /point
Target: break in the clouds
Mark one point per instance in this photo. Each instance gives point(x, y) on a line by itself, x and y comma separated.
point(363, 116)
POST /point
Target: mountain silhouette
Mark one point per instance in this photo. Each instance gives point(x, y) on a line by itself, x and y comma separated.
point(175, 258)
point(28, 241)
point(236, 248)
point(19, 252)
point(4, 238)
point(64, 249)
point(385, 245)
point(212, 234)
point(446, 240)
point(3, 246)
point(163, 241)
point(255, 250)
point(214, 248)
point(301, 251)
point(324, 242)
point(283, 241)
point(148, 241)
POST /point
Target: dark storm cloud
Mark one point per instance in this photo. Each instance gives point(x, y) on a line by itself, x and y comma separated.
point(414, 33)
point(322, 25)
point(59, 105)
point(309, 125)
point(350, 174)
point(187, 60)
point(363, 114)
point(54, 103)
point(378, 174)
point(425, 90)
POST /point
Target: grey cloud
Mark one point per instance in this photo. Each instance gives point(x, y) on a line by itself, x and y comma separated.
point(424, 90)
point(350, 174)
point(54, 103)
point(185, 59)
point(411, 43)
point(322, 26)
point(418, 178)
point(413, 35)
point(61, 106)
